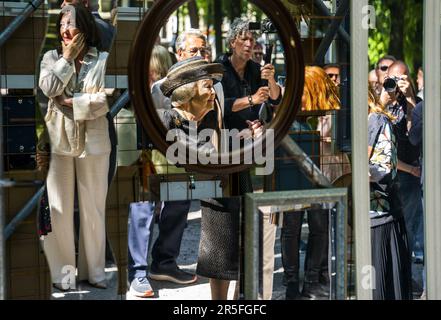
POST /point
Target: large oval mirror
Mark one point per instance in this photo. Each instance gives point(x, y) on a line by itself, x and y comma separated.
point(271, 26)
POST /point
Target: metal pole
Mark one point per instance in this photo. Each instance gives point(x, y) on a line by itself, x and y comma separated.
point(251, 249)
point(340, 254)
point(16, 23)
point(120, 103)
point(2, 213)
point(432, 148)
point(342, 11)
point(308, 167)
point(360, 183)
point(324, 11)
point(23, 214)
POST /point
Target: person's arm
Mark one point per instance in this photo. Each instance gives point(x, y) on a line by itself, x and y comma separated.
point(92, 103)
point(416, 130)
point(267, 73)
point(258, 98)
point(380, 161)
point(415, 171)
point(407, 91)
point(54, 74)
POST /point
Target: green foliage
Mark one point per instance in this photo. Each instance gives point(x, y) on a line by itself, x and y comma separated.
point(379, 38)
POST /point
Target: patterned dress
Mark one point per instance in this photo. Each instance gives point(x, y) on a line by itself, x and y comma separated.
point(384, 199)
point(390, 253)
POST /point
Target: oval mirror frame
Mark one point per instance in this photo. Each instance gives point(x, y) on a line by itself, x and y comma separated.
point(141, 98)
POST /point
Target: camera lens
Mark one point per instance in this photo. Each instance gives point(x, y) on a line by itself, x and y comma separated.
point(390, 85)
point(268, 26)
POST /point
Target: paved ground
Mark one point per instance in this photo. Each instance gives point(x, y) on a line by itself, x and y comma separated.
point(187, 260)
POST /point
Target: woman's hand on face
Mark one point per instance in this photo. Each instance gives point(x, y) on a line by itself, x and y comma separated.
point(261, 95)
point(73, 49)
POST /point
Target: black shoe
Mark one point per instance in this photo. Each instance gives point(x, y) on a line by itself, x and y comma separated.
point(176, 275)
point(292, 291)
point(314, 291)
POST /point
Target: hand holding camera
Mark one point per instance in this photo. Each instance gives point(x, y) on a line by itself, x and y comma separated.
point(267, 72)
point(261, 95)
point(397, 84)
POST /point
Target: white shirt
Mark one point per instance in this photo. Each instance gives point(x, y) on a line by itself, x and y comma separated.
point(82, 129)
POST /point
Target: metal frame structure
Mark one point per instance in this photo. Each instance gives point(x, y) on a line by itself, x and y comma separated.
point(359, 69)
point(432, 147)
point(360, 183)
point(283, 198)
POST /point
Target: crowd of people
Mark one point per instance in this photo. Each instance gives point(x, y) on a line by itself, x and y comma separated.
point(228, 93)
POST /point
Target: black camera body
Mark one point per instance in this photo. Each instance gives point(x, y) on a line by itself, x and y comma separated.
point(390, 84)
point(264, 26)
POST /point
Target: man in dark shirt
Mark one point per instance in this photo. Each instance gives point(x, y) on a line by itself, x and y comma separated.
point(401, 104)
point(242, 81)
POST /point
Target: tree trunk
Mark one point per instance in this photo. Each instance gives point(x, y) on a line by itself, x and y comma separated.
point(218, 26)
point(235, 9)
point(194, 14)
point(396, 44)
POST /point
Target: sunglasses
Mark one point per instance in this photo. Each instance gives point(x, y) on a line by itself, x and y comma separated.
point(333, 75)
point(383, 68)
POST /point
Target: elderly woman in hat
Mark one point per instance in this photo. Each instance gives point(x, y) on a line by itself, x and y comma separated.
point(189, 84)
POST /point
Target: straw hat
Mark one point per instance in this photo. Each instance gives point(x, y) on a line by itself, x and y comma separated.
point(190, 70)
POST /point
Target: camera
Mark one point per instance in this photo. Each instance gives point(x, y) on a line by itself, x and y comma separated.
point(265, 26)
point(390, 84)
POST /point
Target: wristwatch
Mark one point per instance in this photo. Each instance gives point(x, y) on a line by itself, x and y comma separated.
point(250, 100)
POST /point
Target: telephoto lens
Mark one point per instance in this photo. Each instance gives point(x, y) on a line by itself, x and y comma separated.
point(390, 84)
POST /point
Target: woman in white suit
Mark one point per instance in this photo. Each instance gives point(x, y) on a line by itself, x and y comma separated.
point(72, 77)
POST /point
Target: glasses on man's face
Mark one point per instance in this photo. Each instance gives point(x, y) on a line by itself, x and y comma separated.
point(203, 50)
point(258, 53)
point(383, 68)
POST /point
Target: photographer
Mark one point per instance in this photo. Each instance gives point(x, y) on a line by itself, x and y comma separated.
point(243, 77)
point(399, 97)
point(245, 92)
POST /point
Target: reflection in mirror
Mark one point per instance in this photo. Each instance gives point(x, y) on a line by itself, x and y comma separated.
point(241, 100)
point(190, 92)
point(204, 265)
point(75, 149)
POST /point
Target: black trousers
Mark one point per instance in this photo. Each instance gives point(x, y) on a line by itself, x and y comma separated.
point(317, 250)
point(172, 223)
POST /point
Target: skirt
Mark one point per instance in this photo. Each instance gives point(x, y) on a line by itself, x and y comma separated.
point(391, 260)
point(219, 244)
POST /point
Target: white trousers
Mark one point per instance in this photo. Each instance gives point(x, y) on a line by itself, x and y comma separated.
point(269, 239)
point(91, 177)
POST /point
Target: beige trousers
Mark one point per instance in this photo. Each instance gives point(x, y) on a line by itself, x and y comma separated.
point(91, 178)
point(269, 239)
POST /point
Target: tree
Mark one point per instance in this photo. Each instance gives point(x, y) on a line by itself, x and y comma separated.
point(193, 12)
point(398, 31)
